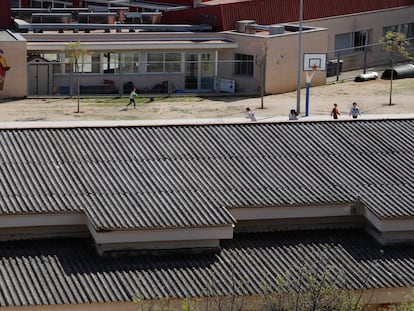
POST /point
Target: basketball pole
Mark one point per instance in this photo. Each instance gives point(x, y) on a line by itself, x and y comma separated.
point(308, 83)
point(299, 81)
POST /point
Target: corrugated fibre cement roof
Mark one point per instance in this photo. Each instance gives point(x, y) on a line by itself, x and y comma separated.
point(143, 177)
point(69, 271)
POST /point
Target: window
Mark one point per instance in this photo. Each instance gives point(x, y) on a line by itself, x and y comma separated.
point(173, 62)
point(243, 65)
point(360, 40)
point(208, 62)
point(51, 57)
point(155, 62)
point(110, 62)
point(163, 62)
point(351, 42)
point(89, 63)
point(130, 62)
point(406, 29)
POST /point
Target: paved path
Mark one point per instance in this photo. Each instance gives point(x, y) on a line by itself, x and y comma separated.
point(103, 123)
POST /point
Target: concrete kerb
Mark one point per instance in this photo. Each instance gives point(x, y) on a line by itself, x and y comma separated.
point(206, 121)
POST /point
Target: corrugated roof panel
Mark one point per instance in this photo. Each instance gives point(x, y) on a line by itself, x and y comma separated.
point(172, 176)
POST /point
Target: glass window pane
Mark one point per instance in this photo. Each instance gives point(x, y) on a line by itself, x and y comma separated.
point(343, 43)
point(173, 67)
point(208, 64)
point(170, 57)
point(51, 57)
point(360, 38)
point(243, 64)
point(85, 64)
point(155, 62)
point(155, 57)
point(130, 62)
point(155, 67)
point(110, 62)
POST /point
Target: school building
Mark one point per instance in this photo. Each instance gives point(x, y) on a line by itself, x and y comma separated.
point(246, 53)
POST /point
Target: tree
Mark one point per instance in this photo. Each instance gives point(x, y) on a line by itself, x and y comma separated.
point(304, 290)
point(76, 53)
point(310, 290)
point(394, 43)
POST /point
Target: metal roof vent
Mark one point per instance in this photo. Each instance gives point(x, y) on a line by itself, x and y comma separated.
point(276, 29)
point(243, 26)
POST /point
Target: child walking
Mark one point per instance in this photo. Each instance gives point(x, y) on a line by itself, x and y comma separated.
point(250, 114)
point(335, 111)
point(132, 97)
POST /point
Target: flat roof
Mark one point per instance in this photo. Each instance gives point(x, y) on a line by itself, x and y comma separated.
point(137, 45)
point(6, 36)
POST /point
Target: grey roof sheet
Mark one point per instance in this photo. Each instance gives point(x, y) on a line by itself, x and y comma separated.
point(175, 176)
point(68, 271)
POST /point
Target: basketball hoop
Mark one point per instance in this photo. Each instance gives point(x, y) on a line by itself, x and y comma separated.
point(313, 62)
point(315, 67)
point(310, 74)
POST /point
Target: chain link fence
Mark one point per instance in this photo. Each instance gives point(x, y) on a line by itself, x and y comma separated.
point(345, 64)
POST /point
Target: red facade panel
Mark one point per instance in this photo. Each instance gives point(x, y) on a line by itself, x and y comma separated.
point(77, 3)
point(5, 15)
point(180, 2)
point(210, 15)
point(318, 9)
point(225, 15)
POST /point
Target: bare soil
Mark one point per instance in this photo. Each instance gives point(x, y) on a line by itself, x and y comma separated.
point(373, 97)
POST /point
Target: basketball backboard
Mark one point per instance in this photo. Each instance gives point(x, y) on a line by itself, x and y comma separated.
point(314, 62)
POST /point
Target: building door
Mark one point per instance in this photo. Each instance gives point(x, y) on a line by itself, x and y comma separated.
point(200, 71)
point(38, 79)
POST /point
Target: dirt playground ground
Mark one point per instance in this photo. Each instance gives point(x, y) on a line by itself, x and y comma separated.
point(371, 96)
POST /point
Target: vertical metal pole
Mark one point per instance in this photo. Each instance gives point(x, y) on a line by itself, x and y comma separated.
point(216, 79)
point(337, 71)
point(366, 51)
point(299, 81)
point(261, 84)
point(307, 99)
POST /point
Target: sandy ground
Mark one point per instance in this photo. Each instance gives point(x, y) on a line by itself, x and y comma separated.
point(371, 96)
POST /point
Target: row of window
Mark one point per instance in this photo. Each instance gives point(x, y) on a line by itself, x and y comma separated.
point(406, 29)
point(148, 62)
point(354, 42)
point(351, 42)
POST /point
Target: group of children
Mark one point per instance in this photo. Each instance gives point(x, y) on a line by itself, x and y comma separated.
point(354, 111)
point(293, 115)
